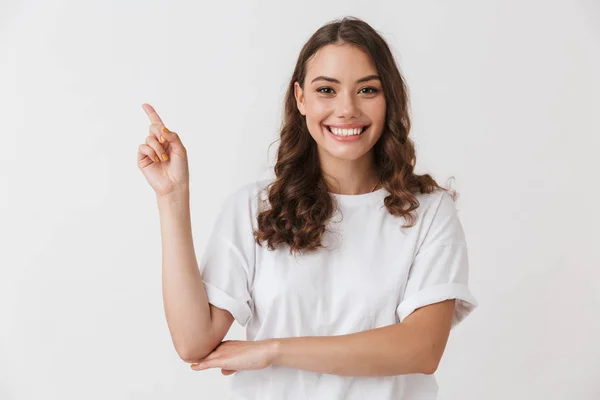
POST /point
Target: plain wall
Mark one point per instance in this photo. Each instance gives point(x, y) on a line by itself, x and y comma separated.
point(505, 100)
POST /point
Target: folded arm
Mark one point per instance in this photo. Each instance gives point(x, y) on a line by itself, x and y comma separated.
point(414, 345)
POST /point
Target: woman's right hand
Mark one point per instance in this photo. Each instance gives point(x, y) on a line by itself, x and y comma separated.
point(163, 161)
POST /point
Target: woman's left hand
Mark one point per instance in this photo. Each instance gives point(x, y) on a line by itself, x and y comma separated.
point(234, 355)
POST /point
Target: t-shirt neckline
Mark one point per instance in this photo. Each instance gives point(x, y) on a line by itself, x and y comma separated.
point(358, 199)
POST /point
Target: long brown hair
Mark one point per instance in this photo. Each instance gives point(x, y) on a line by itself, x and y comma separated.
point(299, 199)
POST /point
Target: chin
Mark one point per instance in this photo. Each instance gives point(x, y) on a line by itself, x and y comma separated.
point(345, 154)
point(349, 152)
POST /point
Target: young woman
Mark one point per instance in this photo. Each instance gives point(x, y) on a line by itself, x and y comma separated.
point(347, 269)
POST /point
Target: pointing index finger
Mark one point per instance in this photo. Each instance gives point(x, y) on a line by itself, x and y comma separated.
point(152, 114)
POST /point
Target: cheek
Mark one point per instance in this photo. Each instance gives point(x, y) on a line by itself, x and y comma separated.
point(377, 110)
point(316, 109)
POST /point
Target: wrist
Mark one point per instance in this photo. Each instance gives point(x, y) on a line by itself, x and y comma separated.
point(175, 196)
point(275, 350)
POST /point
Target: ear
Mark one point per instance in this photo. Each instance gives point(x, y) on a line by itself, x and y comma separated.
point(299, 95)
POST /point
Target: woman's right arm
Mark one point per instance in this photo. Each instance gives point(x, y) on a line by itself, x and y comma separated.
point(196, 326)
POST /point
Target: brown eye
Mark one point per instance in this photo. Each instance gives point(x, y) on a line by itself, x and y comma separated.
point(372, 90)
point(324, 88)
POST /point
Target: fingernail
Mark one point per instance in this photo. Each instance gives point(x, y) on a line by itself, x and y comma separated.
point(165, 157)
point(165, 130)
point(162, 139)
point(193, 366)
point(156, 158)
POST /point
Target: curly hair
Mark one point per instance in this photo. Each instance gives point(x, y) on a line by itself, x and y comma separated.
point(299, 198)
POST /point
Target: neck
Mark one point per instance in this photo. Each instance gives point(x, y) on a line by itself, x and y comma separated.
point(349, 176)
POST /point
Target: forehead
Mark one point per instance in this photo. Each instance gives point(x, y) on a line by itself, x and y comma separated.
point(344, 62)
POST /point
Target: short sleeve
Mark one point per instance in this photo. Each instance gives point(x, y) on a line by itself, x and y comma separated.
point(227, 265)
point(440, 269)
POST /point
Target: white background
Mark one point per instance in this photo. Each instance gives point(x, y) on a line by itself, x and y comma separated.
point(505, 98)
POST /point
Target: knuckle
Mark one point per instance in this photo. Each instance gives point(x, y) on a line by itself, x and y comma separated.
point(154, 129)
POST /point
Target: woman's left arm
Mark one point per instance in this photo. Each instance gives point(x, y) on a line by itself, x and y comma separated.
point(415, 345)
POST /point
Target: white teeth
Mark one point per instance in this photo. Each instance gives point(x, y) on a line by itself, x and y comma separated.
point(345, 132)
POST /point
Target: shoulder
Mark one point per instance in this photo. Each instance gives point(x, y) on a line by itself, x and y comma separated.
point(237, 212)
point(242, 203)
point(248, 193)
point(438, 222)
point(438, 204)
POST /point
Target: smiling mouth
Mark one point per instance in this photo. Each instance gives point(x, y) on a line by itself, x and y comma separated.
point(347, 132)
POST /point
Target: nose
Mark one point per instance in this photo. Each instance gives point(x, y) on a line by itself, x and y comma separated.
point(347, 107)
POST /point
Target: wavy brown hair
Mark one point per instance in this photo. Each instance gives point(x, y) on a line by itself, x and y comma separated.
point(299, 199)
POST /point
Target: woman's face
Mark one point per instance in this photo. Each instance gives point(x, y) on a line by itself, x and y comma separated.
point(342, 90)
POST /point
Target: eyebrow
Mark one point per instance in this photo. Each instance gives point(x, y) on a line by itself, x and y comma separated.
point(329, 79)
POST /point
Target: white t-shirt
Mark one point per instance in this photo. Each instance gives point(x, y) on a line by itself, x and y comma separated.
point(372, 274)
